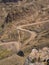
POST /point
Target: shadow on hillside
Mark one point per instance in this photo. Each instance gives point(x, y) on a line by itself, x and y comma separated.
point(5, 1)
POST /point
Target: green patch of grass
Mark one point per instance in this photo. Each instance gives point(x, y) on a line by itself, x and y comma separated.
point(5, 53)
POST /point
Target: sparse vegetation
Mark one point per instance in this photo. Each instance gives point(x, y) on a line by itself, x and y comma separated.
point(24, 21)
point(33, 60)
point(4, 53)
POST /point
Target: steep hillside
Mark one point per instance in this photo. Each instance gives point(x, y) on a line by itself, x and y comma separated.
point(24, 23)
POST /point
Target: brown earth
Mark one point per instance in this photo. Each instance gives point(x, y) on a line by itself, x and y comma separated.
point(25, 22)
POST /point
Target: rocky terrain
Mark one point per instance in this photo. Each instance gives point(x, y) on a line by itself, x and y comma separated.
point(38, 57)
point(24, 25)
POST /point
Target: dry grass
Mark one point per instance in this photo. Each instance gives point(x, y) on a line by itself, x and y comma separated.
point(22, 22)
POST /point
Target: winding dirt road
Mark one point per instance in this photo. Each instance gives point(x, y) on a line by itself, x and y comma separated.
point(33, 33)
point(32, 36)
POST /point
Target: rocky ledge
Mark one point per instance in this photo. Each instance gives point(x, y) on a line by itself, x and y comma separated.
point(38, 57)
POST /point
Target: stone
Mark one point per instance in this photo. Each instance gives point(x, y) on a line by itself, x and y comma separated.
point(20, 53)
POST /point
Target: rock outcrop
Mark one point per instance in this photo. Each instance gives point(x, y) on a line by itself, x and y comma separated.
point(38, 57)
